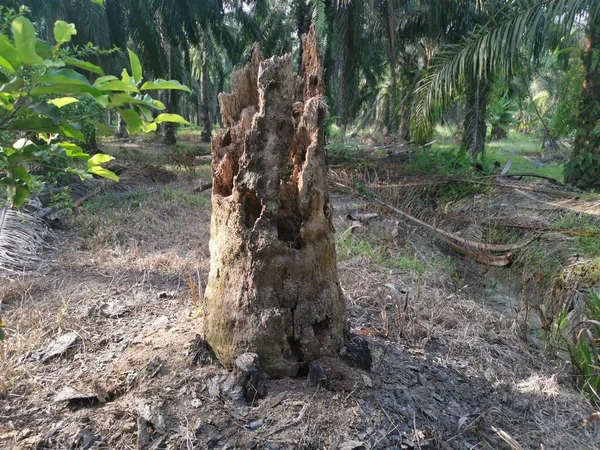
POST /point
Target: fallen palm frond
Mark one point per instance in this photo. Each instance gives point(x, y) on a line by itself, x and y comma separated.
point(490, 254)
point(579, 233)
point(469, 247)
point(21, 240)
point(532, 175)
point(572, 204)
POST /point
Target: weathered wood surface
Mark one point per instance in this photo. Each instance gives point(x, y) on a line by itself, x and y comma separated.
point(273, 287)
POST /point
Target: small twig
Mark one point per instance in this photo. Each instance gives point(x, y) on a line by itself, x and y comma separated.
point(508, 439)
point(85, 198)
point(416, 432)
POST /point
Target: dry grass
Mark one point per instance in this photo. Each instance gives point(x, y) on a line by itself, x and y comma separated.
point(147, 253)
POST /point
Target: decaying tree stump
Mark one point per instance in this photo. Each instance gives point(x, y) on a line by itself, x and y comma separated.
point(273, 287)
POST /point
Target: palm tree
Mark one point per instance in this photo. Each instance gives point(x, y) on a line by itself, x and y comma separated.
point(498, 47)
point(161, 32)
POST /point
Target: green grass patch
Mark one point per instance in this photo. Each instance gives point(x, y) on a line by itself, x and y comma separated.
point(516, 148)
point(444, 157)
point(588, 246)
point(350, 246)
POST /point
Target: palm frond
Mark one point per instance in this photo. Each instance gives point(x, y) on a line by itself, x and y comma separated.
point(500, 47)
point(21, 240)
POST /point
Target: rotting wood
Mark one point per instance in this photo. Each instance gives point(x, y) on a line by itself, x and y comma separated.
point(273, 287)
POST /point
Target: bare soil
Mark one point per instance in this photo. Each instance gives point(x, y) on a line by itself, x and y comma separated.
point(449, 370)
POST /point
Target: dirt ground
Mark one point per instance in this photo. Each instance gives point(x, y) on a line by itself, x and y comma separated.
point(123, 279)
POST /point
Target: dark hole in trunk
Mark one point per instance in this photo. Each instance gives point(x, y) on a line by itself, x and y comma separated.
point(288, 230)
point(252, 208)
point(295, 348)
point(321, 327)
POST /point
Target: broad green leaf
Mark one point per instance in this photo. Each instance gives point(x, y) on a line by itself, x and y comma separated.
point(43, 50)
point(146, 113)
point(47, 109)
point(103, 129)
point(9, 54)
point(37, 124)
point(102, 172)
point(72, 132)
point(157, 104)
point(125, 78)
point(63, 31)
point(13, 85)
point(136, 67)
point(74, 151)
point(62, 76)
point(102, 100)
point(6, 65)
point(99, 158)
point(82, 174)
point(25, 40)
point(16, 183)
point(173, 118)
point(119, 99)
point(98, 2)
point(134, 123)
point(62, 88)
point(164, 84)
point(62, 101)
point(20, 173)
point(149, 127)
point(104, 79)
point(85, 65)
point(114, 85)
point(17, 194)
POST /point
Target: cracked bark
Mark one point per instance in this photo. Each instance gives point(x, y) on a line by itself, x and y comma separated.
point(273, 287)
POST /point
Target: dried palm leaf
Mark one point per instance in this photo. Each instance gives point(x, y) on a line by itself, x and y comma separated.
point(21, 240)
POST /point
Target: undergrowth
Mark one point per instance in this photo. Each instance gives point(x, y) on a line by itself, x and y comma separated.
point(446, 157)
point(587, 246)
point(582, 345)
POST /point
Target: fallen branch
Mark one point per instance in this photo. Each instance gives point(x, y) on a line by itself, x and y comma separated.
point(464, 246)
point(203, 187)
point(533, 175)
point(88, 196)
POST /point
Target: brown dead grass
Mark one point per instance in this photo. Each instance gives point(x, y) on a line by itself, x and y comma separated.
point(141, 251)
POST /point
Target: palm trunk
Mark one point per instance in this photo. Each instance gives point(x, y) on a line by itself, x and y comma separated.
point(204, 105)
point(583, 169)
point(302, 25)
point(121, 127)
point(169, 129)
point(474, 125)
point(391, 32)
point(169, 136)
